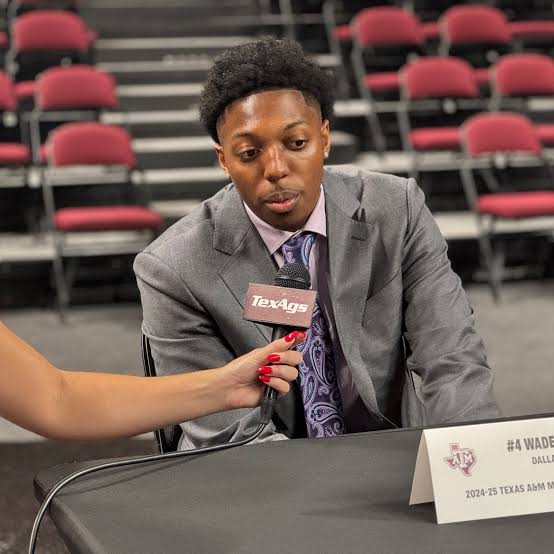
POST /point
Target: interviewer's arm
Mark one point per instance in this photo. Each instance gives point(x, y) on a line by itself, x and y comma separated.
point(79, 405)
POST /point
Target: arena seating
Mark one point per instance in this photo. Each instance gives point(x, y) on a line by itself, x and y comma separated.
point(409, 75)
point(498, 139)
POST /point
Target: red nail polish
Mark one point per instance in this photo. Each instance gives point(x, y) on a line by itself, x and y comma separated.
point(291, 336)
point(273, 358)
point(265, 378)
point(302, 335)
point(265, 370)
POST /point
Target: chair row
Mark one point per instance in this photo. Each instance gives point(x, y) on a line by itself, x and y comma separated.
point(514, 78)
point(380, 40)
point(106, 152)
point(426, 10)
point(459, 24)
point(61, 93)
point(454, 86)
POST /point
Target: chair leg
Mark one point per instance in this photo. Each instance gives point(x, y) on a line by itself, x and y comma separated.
point(376, 131)
point(488, 257)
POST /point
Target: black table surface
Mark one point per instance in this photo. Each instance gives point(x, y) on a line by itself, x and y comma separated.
point(344, 494)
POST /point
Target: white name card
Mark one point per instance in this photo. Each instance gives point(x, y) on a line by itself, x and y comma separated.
point(486, 470)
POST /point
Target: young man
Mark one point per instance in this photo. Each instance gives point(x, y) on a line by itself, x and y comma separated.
point(387, 296)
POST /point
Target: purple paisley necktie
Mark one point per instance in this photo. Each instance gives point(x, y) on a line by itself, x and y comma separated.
point(318, 378)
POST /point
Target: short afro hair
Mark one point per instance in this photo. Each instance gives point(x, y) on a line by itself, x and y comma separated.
point(267, 64)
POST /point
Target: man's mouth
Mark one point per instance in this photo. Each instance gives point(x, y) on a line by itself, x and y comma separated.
point(282, 202)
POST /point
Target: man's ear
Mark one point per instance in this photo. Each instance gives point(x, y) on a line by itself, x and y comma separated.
point(326, 136)
point(221, 158)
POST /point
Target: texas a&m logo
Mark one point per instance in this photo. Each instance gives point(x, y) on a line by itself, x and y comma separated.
point(461, 458)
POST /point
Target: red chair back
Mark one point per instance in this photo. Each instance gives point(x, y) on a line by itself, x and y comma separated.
point(75, 86)
point(49, 30)
point(524, 74)
point(475, 24)
point(490, 133)
point(387, 26)
point(437, 77)
point(90, 143)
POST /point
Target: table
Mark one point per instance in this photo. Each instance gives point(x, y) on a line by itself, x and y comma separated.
point(337, 495)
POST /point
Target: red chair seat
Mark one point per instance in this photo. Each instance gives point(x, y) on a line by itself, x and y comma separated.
point(24, 89)
point(545, 134)
point(430, 30)
point(106, 218)
point(436, 138)
point(383, 81)
point(517, 204)
point(532, 28)
point(13, 153)
point(483, 77)
point(343, 33)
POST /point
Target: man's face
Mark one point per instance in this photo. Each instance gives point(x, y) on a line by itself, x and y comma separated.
point(272, 145)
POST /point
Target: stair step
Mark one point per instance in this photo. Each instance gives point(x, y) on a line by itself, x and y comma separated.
point(159, 123)
point(162, 48)
point(160, 18)
point(170, 70)
point(151, 23)
point(169, 96)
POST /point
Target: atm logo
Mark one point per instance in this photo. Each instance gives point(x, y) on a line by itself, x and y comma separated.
point(463, 459)
point(282, 304)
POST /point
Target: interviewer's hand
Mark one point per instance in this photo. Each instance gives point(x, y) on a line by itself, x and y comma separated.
point(246, 376)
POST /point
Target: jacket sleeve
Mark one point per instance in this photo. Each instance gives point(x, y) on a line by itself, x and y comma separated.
point(445, 350)
point(183, 338)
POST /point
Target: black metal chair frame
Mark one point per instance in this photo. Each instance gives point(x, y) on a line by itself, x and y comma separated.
point(167, 439)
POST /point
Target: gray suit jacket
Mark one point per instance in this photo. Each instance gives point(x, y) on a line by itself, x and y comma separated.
point(396, 301)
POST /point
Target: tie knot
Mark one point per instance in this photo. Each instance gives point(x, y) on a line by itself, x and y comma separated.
point(297, 249)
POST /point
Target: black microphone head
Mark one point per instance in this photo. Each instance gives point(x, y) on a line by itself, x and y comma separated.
point(293, 276)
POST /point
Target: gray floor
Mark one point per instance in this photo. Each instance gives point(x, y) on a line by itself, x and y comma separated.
point(518, 335)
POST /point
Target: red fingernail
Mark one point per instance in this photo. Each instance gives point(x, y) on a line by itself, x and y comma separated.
point(273, 358)
point(291, 336)
point(265, 378)
point(266, 370)
point(301, 336)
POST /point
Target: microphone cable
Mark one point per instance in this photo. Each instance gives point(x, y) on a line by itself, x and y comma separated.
point(134, 461)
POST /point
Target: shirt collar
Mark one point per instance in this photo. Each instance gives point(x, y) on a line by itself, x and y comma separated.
point(275, 238)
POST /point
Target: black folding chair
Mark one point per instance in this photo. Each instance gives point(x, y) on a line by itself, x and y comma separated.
point(167, 438)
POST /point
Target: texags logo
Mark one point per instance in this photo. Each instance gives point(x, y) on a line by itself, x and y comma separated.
point(289, 307)
point(461, 458)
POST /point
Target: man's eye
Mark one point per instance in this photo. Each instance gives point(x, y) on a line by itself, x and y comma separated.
point(298, 144)
point(249, 154)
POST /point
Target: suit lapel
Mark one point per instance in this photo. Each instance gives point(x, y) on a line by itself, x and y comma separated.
point(249, 261)
point(350, 250)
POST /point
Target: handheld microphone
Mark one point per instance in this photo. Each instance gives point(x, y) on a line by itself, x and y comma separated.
point(292, 276)
point(287, 306)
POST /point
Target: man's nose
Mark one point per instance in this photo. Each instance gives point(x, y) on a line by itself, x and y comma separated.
point(275, 164)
